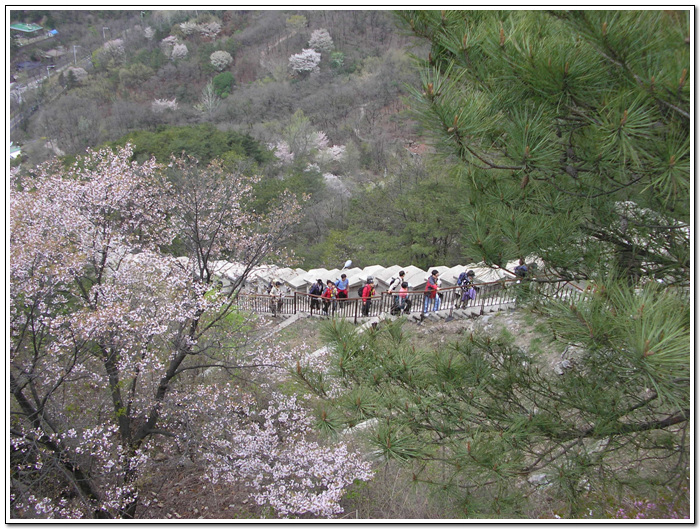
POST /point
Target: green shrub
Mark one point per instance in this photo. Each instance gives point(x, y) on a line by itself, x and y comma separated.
point(223, 84)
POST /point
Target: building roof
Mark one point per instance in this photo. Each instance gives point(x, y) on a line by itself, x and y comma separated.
point(52, 54)
point(387, 274)
point(25, 28)
point(445, 274)
point(15, 150)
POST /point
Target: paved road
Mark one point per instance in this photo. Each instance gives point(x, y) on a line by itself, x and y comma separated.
point(18, 118)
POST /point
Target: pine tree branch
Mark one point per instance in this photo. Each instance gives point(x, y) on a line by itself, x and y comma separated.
point(627, 428)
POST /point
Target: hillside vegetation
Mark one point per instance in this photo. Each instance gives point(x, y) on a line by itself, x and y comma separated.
point(338, 130)
point(174, 140)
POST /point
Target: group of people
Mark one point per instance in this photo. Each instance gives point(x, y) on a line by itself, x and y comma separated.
point(333, 292)
point(399, 288)
point(432, 297)
point(330, 294)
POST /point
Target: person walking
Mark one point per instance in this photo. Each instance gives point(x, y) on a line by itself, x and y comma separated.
point(404, 303)
point(466, 282)
point(430, 296)
point(521, 270)
point(342, 285)
point(367, 293)
point(329, 296)
point(276, 298)
point(394, 287)
point(315, 291)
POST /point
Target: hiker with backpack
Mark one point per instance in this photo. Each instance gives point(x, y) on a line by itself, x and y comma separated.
point(430, 295)
point(394, 287)
point(521, 270)
point(466, 282)
point(367, 293)
point(316, 290)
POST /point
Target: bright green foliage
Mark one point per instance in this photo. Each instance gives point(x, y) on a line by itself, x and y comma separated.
point(566, 135)
point(297, 181)
point(646, 331)
point(223, 84)
point(204, 142)
point(337, 59)
point(152, 58)
point(557, 119)
point(413, 217)
point(488, 413)
point(134, 75)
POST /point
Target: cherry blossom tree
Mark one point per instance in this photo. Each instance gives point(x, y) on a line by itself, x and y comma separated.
point(158, 106)
point(104, 324)
point(167, 44)
point(282, 152)
point(79, 74)
point(220, 59)
point(188, 28)
point(209, 29)
point(321, 41)
point(115, 49)
point(305, 62)
point(110, 55)
point(179, 52)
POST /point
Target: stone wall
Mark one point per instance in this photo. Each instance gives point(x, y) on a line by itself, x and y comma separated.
point(299, 280)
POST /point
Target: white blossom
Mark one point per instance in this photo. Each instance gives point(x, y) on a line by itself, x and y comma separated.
point(220, 59)
point(188, 28)
point(79, 74)
point(167, 44)
point(159, 106)
point(282, 152)
point(306, 61)
point(209, 29)
point(179, 52)
point(321, 41)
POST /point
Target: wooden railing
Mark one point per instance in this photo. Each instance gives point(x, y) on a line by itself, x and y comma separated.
point(503, 292)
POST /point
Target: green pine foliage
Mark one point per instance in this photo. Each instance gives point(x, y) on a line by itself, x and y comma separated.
point(555, 119)
point(481, 416)
point(204, 142)
point(561, 134)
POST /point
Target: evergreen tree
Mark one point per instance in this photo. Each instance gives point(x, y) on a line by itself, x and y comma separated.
point(572, 129)
point(568, 136)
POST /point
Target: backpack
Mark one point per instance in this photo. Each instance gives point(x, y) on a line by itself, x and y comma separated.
point(359, 291)
point(463, 279)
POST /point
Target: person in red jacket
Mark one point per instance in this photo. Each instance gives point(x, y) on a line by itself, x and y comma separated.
point(430, 295)
point(330, 295)
point(367, 294)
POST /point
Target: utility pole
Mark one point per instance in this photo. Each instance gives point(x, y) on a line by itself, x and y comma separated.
point(75, 58)
point(48, 71)
point(103, 33)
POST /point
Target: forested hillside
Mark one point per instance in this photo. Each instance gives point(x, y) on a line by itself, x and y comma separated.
point(322, 90)
point(164, 149)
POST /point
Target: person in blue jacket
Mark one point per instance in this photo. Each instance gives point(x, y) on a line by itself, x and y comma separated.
point(342, 285)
